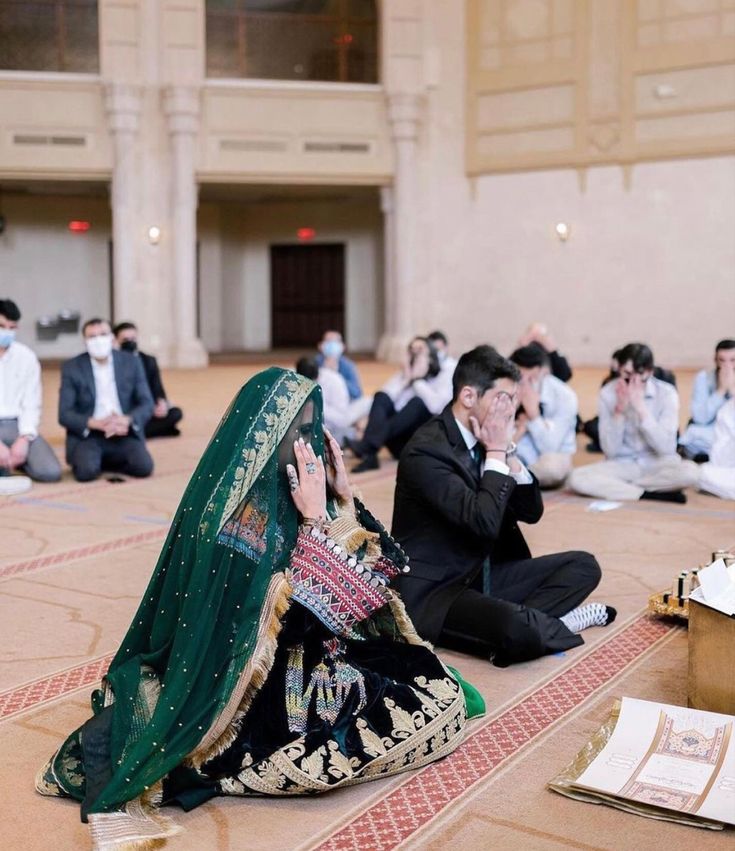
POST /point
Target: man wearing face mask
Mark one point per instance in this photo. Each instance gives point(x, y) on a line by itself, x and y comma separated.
point(104, 404)
point(21, 446)
point(332, 355)
point(165, 418)
point(546, 421)
point(460, 494)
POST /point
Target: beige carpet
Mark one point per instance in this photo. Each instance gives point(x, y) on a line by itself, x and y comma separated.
point(76, 558)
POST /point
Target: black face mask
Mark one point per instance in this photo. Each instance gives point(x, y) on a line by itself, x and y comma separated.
point(129, 346)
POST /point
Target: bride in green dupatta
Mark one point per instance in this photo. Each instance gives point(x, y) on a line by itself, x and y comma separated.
point(268, 655)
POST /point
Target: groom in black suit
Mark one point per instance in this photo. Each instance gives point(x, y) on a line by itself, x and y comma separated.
point(104, 404)
point(460, 494)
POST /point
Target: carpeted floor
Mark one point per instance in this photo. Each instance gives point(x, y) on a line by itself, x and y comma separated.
point(76, 558)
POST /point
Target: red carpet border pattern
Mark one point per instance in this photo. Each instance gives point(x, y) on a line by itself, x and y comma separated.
point(43, 690)
point(402, 812)
point(41, 562)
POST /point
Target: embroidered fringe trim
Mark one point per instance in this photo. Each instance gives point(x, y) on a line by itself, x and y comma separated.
point(226, 726)
point(138, 827)
point(405, 624)
point(350, 535)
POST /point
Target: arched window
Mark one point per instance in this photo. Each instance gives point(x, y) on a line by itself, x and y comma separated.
point(49, 35)
point(333, 40)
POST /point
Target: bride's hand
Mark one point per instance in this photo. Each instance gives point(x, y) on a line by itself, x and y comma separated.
point(308, 485)
point(336, 472)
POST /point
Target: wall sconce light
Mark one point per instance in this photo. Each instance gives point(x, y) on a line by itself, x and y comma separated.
point(154, 235)
point(563, 231)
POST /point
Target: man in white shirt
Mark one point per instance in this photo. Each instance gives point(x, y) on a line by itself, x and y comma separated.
point(411, 397)
point(546, 423)
point(335, 396)
point(717, 476)
point(639, 418)
point(104, 404)
point(21, 446)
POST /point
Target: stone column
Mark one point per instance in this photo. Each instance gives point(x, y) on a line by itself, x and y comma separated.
point(123, 104)
point(181, 108)
point(404, 115)
point(389, 272)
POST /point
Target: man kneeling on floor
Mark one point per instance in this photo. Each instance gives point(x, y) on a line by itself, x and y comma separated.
point(460, 493)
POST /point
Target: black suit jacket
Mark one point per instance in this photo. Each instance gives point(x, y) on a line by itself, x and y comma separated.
point(77, 395)
point(153, 376)
point(449, 521)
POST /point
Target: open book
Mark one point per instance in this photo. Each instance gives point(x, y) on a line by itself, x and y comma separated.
point(660, 761)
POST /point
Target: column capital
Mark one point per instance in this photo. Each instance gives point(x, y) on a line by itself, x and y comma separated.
point(123, 104)
point(182, 106)
point(404, 115)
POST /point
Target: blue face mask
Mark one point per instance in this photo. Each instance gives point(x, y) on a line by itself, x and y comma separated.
point(332, 349)
point(7, 337)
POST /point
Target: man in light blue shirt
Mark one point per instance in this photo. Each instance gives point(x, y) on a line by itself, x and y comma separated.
point(712, 388)
point(546, 424)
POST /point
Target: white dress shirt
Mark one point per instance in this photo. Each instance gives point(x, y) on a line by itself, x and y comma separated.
point(435, 393)
point(555, 430)
point(336, 396)
point(106, 400)
point(629, 437)
point(522, 477)
point(717, 476)
point(20, 388)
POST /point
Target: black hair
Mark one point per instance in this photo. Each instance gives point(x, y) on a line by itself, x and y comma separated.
point(9, 309)
point(437, 336)
point(722, 346)
point(481, 368)
point(308, 367)
point(124, 326)
point(95, 320)
point(434, 365)
point(530, 356)
point(638, 353)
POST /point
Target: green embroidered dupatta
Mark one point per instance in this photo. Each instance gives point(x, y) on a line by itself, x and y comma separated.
point(208, 621)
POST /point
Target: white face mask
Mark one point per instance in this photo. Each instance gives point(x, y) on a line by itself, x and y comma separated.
point(100, 347)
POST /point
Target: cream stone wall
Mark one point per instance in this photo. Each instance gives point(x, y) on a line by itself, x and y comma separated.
point(494, 121)
point(235, 241)
point(651, 253)
point(45, 268)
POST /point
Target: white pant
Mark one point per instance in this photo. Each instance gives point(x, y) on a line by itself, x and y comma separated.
point(718, 480)
point(621, 480)
point(552, 469)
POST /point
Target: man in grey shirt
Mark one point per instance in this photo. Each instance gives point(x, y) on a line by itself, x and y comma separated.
point(639, 418)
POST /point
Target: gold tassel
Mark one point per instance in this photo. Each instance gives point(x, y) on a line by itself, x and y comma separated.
point(405, 624)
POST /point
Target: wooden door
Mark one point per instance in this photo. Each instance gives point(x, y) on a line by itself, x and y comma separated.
point(307, 293)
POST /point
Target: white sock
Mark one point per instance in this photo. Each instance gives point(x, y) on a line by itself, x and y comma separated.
point(591, 614)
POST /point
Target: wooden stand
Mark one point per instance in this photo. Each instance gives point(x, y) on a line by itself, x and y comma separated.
point(711, 683)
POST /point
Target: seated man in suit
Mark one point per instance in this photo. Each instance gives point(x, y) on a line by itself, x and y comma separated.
point(460, 494)
point(165, 418)
point(104, 404)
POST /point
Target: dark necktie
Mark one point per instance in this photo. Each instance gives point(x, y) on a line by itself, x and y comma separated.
point(479, 458)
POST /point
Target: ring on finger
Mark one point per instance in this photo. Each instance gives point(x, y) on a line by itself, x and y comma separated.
point(310, 468)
